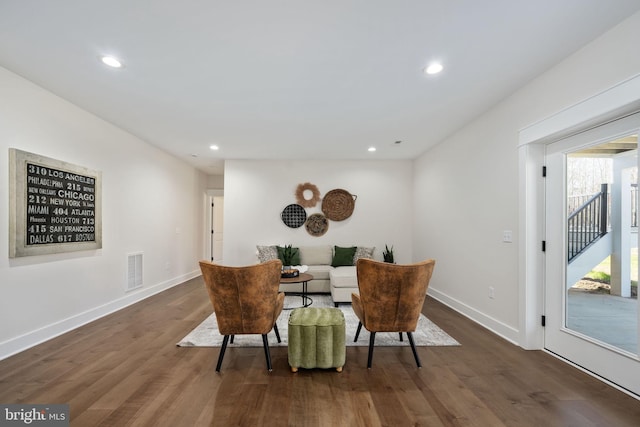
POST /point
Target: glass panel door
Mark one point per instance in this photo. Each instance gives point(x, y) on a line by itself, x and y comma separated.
point(602, 243)
point(591, 265)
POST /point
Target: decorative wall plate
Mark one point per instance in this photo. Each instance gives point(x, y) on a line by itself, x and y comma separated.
point(293, 216)
point(338, 204)
point(317, 224)
point(315, 195)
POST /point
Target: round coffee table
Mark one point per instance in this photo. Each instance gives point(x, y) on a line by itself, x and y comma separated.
point(302, 278)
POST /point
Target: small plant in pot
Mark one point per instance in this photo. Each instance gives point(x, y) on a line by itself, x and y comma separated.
point(387, 254)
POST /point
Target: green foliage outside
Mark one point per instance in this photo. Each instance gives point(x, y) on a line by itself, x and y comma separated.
point(602, 272)
point(599, 276)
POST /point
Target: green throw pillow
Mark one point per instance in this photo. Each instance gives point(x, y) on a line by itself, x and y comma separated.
point(343, 256)
point(296, 256)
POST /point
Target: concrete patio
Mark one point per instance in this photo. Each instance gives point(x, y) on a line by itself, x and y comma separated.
point(607, 318)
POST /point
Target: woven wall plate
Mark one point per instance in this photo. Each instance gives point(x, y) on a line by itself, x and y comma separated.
point(294, 216)
point(338, 204)
point(317, 225)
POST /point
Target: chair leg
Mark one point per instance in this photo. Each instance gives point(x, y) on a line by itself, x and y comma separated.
point(400, 336)
point(372, 338)
point(358, 331)
point(225, 341)
point(413, 347)
point(267, 353)
point(275, 329)
point(232, 336)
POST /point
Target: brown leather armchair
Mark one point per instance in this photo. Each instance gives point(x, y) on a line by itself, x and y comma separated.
point(246, 300)
point(391, 298)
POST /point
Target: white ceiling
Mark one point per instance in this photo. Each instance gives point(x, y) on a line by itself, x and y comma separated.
point(293, 79)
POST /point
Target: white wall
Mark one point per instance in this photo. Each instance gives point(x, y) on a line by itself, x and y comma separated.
point(152, 202)
point(466, 188)
point(256, 192)
point(215, 181)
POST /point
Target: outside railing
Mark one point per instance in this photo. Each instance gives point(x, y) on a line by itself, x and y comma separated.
point(576, 202)
point(588, 223)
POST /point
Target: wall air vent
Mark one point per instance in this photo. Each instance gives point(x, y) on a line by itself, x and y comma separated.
point(134, 271)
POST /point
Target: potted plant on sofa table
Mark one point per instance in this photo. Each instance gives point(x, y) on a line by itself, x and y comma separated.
point(288, 254)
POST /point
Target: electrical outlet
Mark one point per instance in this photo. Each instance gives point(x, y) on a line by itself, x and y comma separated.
point(491, 292)
point(507, 236)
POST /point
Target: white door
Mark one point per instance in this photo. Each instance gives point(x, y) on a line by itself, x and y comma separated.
point(581, 326)
point(217, 221)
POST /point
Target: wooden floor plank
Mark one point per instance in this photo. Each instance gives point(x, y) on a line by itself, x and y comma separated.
point(125, 369)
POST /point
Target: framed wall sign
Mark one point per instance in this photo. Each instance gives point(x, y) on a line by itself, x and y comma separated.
point(54, 206)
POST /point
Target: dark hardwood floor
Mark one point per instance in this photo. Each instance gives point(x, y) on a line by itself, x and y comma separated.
point(125, 369)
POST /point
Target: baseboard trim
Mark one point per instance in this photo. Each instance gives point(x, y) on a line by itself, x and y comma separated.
point(497, 327)
point(30, 339)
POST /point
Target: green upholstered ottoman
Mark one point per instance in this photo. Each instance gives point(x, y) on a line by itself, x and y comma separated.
point(316, 338)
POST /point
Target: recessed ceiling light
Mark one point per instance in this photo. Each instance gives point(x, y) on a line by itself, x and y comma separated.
point(434, 68)
point(214, 147)
point(111, 61)
point(371, 149)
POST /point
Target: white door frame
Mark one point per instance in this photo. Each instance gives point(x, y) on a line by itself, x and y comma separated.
point(210, 194)
point(619, 100)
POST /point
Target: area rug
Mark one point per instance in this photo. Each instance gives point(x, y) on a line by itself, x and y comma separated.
point(427, 333)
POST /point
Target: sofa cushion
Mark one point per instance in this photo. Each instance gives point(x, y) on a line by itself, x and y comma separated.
point(315, 255)
point(343, 256)
point(344, 277)
point(319, 272)
point(267, 253)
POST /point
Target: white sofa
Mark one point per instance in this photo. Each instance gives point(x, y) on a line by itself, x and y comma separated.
point(343, 282)
point(339, 281)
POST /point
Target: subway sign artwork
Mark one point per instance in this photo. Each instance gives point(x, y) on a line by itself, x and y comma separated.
point(60, 206)
point(56, 206)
